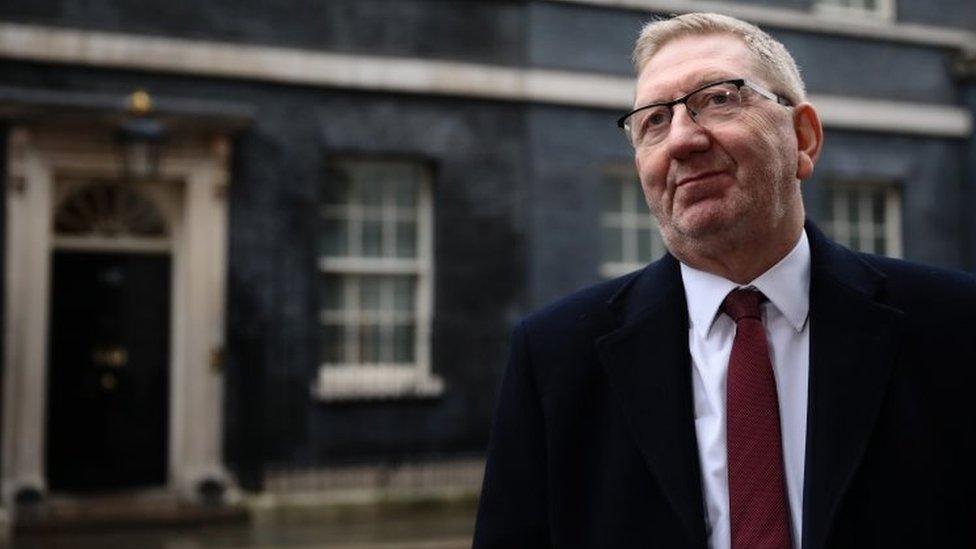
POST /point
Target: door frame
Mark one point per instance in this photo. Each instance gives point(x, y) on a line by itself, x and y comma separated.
point(36, 158)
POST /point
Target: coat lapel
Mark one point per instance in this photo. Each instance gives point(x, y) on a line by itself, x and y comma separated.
point(852, 348)
point(649, 369)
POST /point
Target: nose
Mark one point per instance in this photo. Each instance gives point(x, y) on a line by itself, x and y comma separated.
point(685, 137)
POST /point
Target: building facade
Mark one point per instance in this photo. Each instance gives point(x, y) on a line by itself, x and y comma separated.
point(352, 202)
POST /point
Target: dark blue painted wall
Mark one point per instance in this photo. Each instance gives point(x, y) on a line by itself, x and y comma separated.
point(573, 37)
point(571, 149)
point(478, 155)
point(475, 30)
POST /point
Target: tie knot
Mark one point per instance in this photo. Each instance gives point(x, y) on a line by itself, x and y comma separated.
point(743, 303)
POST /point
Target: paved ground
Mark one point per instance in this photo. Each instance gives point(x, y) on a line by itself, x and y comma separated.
point(434, 528)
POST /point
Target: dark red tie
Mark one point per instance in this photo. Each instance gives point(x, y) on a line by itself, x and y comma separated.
point(758, 508)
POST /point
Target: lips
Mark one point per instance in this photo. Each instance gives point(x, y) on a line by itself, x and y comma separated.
point(698, 177)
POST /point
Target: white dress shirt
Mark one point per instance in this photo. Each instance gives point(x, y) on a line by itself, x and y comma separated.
point(710, 335)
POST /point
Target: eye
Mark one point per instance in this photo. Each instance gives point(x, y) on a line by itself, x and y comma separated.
point(720, 98)
point(653, 123)
point(716, 98)
point(656, 118)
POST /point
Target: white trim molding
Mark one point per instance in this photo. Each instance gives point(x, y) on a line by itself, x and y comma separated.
point(818, 21)
point(853, 113)
point(421, 76)
point(883, 10)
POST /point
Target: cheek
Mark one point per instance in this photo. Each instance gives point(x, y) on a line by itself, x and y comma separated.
point(652, 187)
point(773, 147)
point(651, 197)
point(653, 175)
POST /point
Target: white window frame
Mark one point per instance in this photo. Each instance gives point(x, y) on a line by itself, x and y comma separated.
point(630, 221)
point(354, 381)
point(841, 229)
point(884, 10)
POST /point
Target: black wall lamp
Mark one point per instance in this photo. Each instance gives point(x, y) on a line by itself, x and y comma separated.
point(140, 137)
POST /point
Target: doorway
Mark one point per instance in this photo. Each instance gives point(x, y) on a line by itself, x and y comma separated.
point(114, 314)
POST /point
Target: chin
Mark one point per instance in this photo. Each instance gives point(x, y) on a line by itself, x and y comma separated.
point(703, 223)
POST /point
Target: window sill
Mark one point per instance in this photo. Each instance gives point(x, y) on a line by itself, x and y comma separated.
point(381, 382)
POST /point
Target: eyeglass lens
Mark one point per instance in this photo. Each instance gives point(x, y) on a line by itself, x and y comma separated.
point(707, 107)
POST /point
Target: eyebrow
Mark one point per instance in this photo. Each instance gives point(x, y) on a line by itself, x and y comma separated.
point(704, 79)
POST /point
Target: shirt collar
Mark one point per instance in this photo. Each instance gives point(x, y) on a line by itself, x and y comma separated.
point(786, 284)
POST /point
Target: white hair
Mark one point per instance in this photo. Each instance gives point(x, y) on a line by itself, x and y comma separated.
point(774, 63)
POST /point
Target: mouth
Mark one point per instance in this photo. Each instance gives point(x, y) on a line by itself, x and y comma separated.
point(698, 177)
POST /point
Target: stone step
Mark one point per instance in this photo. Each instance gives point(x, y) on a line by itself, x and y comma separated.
point(65, 514)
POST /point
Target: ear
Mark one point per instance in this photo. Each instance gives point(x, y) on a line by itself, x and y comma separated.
point(809, 138)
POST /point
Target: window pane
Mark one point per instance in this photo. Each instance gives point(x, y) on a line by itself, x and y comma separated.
point(612, 195)
point(878, 206)
point(331, 293)
point(637, 204)
point(372, 238)
point(879, 245)
point(369, 343)
point(370, 293)
point(644, 250)
point(852, 207)
point(612, 244)
point(372, 190)
point(403, 340)
point(333, 344)
point(406, 190)
point(334, 240)
point(404, 288)
point(658, 243)
point(406, 239)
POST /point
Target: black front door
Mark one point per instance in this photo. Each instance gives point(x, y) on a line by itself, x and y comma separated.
point(108, 371)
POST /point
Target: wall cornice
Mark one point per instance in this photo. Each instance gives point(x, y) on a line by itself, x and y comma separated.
point(415, 76)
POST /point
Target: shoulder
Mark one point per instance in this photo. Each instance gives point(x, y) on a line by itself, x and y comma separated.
point(907, 282)
point(935, 300)
point(580, 307)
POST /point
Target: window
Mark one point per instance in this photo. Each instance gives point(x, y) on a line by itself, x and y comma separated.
point(864, 217)
point(375, 279)
point(630, 235)
point(882, 9)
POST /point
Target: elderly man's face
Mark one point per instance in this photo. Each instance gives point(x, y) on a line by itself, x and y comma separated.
point(736, 179)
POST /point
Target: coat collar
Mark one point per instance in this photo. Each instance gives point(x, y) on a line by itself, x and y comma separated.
point(853, 345)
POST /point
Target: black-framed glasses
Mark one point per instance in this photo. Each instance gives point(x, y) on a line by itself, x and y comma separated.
point(708, 105)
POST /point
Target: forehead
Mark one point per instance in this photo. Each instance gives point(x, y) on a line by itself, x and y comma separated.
point(690, 61)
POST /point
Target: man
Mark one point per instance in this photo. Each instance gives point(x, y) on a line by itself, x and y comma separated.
point(759, 386)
